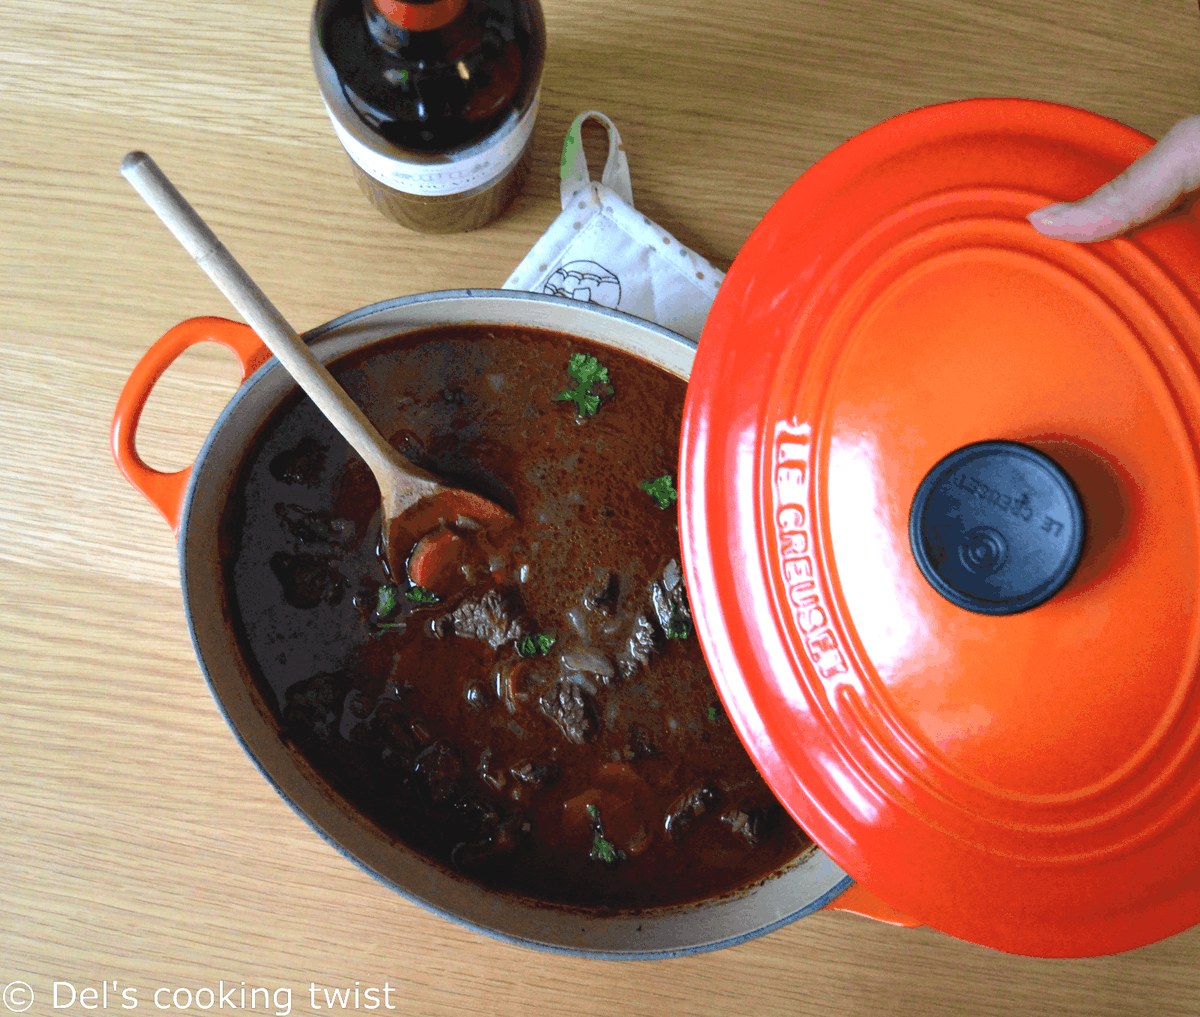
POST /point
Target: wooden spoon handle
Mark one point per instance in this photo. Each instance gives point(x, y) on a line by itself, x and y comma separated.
point(262, 316)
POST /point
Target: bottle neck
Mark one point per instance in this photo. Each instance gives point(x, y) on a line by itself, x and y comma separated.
point(419, 15)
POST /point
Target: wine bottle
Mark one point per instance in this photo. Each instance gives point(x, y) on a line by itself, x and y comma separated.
point(434, 102)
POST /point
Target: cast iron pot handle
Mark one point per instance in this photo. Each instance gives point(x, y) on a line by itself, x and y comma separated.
point(165, 491)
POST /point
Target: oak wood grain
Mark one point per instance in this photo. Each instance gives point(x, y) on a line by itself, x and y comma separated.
point(139, 843)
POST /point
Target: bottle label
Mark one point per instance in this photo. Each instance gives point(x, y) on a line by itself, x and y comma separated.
point(471, 168)
point(423, 17)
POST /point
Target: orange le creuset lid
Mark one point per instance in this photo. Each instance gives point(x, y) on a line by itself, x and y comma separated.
point(940, 485)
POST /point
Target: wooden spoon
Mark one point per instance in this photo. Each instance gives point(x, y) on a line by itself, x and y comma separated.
point(414, 501)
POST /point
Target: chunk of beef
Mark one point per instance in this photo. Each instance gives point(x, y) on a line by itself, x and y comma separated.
point(313, 529)
point(669, 608)
point(640, 642)
point(489, 831)
point(567, 705)
point(440, 769)
point(492, 618)
point(535, 775)
point(389, 735)
point(672, 579)
point(754, 824)
point(313, 707)
point(689, 807)
point(307, 582)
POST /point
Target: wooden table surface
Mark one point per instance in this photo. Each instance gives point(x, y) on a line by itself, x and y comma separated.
point(138, 844)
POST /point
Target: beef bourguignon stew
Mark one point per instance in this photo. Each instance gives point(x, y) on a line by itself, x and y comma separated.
point(541, 717)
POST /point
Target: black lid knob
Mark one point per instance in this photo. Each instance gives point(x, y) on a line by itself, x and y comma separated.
point(997, 527)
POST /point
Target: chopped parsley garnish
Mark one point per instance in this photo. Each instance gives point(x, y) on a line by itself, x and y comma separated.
point(385, 607)
point(712, 714)
point(420, 595)
point(537, 645)
point(603, 849)
point(587, 371)
point(389, 600)
point(678, 629)
point(661, 490)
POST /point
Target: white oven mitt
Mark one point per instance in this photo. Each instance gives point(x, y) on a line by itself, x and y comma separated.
point(602, 250)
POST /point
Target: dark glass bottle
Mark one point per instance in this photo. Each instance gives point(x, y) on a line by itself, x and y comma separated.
point(434, 102)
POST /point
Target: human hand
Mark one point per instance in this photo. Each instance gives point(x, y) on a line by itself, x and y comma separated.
point(1150, 186)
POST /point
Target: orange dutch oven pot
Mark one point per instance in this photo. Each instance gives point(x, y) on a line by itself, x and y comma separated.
point(939, 502)
point(193, 502)
point(939, 490)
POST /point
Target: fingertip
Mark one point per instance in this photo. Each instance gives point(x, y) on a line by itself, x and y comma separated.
point(1047, 212)
point(1045, 223)
point(1048, 220)
point(1078, 223)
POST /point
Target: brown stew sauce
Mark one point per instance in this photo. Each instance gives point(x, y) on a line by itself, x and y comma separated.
point(601, 773)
